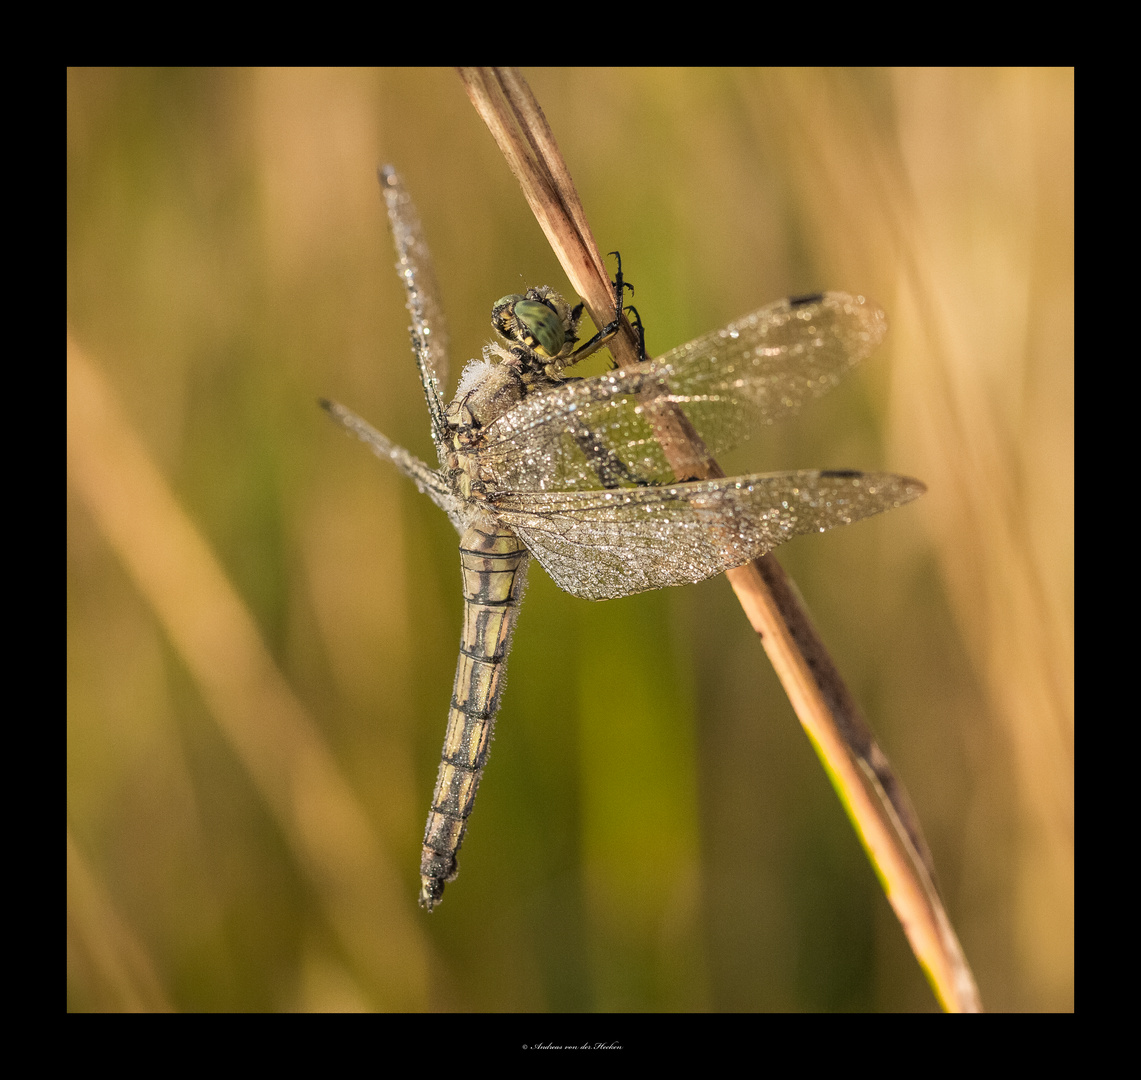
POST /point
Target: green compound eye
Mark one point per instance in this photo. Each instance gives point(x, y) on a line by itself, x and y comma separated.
point(542, 324)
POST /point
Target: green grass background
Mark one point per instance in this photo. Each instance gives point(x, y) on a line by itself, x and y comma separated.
point(653, 831)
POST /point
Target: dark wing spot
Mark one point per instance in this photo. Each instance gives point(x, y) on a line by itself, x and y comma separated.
point(808, 298)
point(841, 474)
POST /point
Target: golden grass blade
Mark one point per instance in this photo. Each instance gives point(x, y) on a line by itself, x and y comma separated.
point(110, 960)
point(267, 727)
point(873, 797)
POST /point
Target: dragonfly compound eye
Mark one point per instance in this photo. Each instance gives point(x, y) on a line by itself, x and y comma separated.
point(503, 316)
point(538, 327)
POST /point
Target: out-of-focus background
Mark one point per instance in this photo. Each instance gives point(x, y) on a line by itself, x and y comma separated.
point(263, 618)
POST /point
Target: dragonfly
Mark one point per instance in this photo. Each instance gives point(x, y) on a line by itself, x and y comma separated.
point(579, 474)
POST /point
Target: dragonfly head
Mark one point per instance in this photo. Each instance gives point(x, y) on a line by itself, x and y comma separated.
point(539, 325)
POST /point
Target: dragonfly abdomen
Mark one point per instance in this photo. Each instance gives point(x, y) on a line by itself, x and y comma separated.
point(494, 567)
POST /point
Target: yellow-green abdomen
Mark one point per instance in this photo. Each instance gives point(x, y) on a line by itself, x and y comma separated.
point(494, 566)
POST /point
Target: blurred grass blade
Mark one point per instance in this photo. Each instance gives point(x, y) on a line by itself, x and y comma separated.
point(873, 797)
point(266, 726)
point(104, 955)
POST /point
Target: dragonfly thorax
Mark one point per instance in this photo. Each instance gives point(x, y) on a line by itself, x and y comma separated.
point(486, 391)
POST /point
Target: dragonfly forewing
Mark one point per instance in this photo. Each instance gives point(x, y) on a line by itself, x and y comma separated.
point(728, 382)
point(414, 267)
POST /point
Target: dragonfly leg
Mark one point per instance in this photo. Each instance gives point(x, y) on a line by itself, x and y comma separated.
point(639, 329)
point(610, 329)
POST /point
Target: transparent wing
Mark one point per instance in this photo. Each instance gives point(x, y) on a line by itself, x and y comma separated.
point(752, 372)
point(414, 265)
point(603, 544)
point(431, 482)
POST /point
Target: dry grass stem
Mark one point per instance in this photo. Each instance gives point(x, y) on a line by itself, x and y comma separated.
point(872, 795)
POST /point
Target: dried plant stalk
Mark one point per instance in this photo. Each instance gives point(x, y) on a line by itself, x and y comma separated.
point(873, 797)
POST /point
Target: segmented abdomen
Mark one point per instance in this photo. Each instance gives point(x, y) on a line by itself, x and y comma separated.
point(494, 566)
